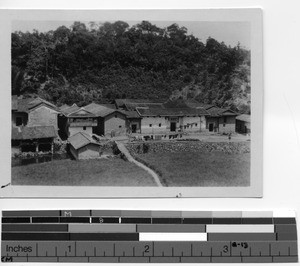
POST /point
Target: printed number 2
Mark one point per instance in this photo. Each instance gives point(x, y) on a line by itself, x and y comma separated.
point(146, 249)
point(225, 249)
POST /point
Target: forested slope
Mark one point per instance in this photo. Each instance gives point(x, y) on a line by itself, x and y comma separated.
point(101, 62)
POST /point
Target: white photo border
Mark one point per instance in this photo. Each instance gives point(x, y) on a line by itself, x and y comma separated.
point(252, 15)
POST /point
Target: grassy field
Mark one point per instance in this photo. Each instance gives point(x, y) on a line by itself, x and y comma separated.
point(206, 169)
point(104, 172)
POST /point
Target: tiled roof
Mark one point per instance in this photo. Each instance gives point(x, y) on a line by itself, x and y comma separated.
point(81, 112)
point(132, 114)
point(71, 109)
point(101, 110)
point(216, 111)
point(80, 140)
point(244, 117)
point(36, 132)
point(108, 105)
point(131, 104)
point(26, 104)
point(171, 111)
point(195, 104)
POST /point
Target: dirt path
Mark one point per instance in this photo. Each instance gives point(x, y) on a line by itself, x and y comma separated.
point(129, 157)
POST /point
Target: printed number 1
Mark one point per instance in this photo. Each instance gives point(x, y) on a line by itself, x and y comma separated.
point(69, 247)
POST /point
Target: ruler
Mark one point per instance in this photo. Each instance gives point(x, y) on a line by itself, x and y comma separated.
point(148, 236)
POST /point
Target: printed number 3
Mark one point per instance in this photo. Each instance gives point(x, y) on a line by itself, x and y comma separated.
point(225, 249)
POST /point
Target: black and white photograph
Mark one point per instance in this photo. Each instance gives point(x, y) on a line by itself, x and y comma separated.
point(136, 103)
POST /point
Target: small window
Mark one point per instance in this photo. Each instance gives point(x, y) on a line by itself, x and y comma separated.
point(150, 125)
point(116, 116)
point(84, 128)
point(19, 121)
point(196, 124)
point(120, 126)
point(224, 125)
point(225, 119)
point(159, 124)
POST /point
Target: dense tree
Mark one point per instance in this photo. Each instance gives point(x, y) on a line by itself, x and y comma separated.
point(101, 62)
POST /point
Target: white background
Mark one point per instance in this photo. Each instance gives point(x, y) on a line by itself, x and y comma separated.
point(281, 111)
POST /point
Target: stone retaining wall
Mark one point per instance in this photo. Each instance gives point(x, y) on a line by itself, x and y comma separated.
point(189, 146)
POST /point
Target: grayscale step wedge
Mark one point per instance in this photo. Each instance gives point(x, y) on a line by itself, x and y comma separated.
point(129, 236)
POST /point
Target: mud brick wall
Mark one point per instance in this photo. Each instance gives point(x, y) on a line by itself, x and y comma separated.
point(43, 116)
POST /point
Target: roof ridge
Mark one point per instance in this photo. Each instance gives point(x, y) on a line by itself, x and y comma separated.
point(85, 135)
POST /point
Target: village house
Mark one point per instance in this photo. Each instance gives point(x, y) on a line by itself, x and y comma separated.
point(77, 119)
point(110, 121)
point(99, 119)
point(188, 116)
point(82, 146)
point(33, 111)
point(128, 106)
point(34, 124)
point(33, 139)
point(220, 120)
point(165, 120)
point(243, 124)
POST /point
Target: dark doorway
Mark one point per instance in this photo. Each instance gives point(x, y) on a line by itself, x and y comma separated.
point(173, 126)
point(211, 127)
point(19, 121)
point(133, 128)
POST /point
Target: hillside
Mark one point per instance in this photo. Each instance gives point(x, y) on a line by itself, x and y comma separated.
point(101, 62)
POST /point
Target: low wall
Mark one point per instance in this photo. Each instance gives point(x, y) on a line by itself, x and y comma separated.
point(188, 146)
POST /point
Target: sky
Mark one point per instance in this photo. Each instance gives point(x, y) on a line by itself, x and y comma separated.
point(231, 33)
